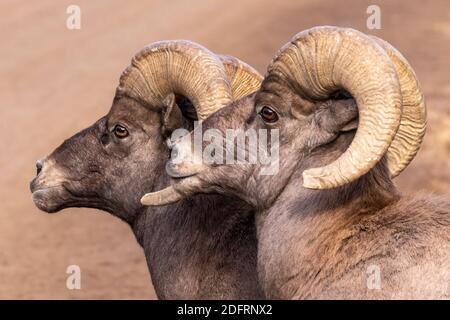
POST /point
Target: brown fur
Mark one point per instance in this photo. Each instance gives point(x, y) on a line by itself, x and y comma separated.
point(321, 244)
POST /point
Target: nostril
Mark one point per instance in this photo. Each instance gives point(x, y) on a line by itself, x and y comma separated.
point(39, 166)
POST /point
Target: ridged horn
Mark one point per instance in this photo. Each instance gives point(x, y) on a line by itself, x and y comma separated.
point(413, 122)
point(318, 62)
point(162, 197)
point(243, 78)
point(180, 67)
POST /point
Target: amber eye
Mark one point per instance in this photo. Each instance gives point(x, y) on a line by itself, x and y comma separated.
point(120, 131)
point(268, 115)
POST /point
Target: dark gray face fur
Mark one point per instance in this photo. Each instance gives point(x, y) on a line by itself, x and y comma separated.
point(99, 168)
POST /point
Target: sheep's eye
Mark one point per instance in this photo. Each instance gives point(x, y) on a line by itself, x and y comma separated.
point(120, 131)
point(268, 114)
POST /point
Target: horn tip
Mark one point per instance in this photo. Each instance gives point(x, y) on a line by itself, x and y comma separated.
point(160, 198)
point(313, 180)
point(149, 200)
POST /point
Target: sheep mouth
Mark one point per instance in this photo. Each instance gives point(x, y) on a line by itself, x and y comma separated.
point(182, 170)
point(50, 199)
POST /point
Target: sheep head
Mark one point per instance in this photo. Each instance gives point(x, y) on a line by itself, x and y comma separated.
point(109, 165)
point(340, 102)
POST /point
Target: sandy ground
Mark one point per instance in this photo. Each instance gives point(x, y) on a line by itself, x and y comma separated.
point(55, 82)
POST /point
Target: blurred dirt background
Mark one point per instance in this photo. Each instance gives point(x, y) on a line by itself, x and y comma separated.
point(56, 81)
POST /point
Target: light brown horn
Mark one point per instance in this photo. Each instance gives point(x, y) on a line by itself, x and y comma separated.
point(161, 197)
point(170, 195)
point(180, 67)
point(322, 60)
point(243, 78)
point(413, 122)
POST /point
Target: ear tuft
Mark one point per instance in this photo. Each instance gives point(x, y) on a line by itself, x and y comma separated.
point(338, 116)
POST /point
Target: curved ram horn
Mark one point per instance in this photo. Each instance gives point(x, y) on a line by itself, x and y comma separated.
point(322, 60)
point(243, 78)
point(413, 122)
point(180, 67)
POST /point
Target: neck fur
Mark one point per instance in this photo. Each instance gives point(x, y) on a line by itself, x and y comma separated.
point(303, 228)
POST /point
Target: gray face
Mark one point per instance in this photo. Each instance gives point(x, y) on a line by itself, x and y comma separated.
point(309, 136)
point(105, 166)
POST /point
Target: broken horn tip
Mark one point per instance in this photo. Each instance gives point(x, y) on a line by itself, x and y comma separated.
point(310, 182)
point(162, 197)
point(147, 200)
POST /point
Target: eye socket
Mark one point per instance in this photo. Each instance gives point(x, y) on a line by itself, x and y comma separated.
point(120, 131)
point(268, 114)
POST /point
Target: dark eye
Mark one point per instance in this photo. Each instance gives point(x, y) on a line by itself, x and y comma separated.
point(268, 114)
point(120, 131)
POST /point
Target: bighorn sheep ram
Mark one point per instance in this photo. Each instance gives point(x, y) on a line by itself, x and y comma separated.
point(204, 247)
point(331, 214)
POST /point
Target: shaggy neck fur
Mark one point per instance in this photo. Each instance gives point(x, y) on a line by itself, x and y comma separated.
point(310, 231)
point(203, 247)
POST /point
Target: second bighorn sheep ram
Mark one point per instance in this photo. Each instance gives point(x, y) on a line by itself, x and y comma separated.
point(350, 116)
point(203, 247)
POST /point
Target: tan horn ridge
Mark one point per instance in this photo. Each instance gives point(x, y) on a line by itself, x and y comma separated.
point(413, 122)
point(161, 197)
point(180, 67)
point(244, 79)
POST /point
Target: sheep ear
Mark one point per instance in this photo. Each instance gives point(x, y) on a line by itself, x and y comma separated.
point(338, 116)
point(352, 125)
point(347, 115)
point(331, 118)
point(172, 118)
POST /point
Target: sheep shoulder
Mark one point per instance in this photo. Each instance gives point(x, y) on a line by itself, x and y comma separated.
point(400, 252)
